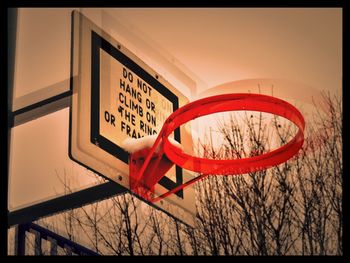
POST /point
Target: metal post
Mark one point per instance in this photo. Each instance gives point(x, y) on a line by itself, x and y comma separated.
point(37, 243)
point(68, 250)
point(53, 246)
point(20, 240)
point(11, 50)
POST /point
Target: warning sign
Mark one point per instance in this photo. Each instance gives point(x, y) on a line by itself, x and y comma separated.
point(129, 106)
point(127, 102)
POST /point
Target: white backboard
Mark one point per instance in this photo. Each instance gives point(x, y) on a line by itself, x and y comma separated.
point(116, 96)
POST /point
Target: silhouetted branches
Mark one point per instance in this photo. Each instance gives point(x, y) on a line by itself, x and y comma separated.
point(294, 208)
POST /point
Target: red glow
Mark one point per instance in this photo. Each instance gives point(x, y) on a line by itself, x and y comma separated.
point(143, 177)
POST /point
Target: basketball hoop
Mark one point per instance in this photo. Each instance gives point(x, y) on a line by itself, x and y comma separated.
point(148, 166)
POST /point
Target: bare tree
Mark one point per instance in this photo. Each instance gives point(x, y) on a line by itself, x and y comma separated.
point(294, 208)
point(319, 176)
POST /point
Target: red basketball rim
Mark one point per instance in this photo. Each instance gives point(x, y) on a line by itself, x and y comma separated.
point(233, 102)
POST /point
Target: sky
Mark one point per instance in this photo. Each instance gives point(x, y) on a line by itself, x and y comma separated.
point(227, 44)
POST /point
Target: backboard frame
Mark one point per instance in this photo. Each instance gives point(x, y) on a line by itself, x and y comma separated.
point(92, 150)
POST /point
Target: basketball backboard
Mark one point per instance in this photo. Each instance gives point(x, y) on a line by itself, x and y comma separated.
point(116, 96)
